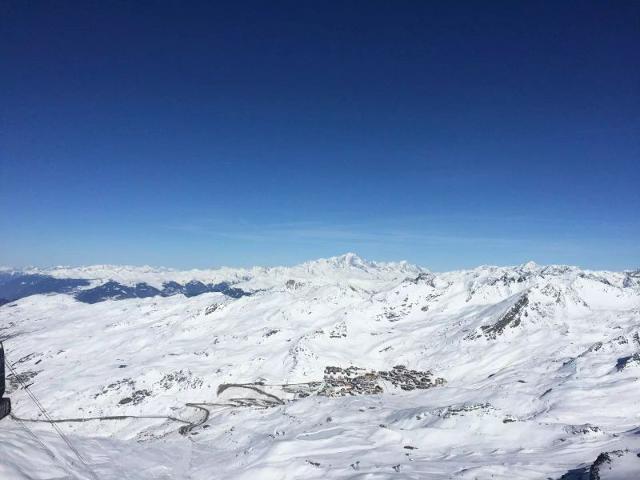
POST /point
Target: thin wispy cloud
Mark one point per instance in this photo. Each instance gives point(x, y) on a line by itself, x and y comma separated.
point(382, 232)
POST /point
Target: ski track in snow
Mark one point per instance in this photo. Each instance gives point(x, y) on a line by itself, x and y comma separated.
point(541, 368)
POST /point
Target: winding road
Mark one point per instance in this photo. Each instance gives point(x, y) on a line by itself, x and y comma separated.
point(188, 425)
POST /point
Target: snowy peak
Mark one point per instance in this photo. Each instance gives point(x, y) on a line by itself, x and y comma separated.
point(341, 262)
point(482, 285)
point(351, 262)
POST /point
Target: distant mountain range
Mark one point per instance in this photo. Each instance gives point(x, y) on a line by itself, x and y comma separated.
point(109, 282)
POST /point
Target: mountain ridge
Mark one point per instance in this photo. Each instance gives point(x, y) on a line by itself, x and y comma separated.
point(330, 369)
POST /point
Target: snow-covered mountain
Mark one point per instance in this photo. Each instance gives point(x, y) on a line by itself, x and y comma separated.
point(338, 368)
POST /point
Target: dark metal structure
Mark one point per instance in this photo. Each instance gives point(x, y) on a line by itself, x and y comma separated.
point(5, 403)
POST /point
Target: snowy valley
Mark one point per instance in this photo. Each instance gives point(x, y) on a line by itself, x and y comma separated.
point(336, 368)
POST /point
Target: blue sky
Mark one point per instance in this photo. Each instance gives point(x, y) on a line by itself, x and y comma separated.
point(449, 134)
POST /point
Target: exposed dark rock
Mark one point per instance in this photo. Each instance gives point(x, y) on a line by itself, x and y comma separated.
point(393, 314)
point(602, 459)
point(455, 410)
point(338, 331)
point(509, 278)
point(594, 471)
point(211, 308)
point(582, 429)
point(580, 473)
point(596, 278)
point(126, 383)
point(422, 278)
point(139, 396)
point(21, 378)
point(511, 318)
point(181, 378)
point(631, 279)
point(594, 348)
point(629, 360)
point(28, 357)
point(621, 340)
point(293, 285)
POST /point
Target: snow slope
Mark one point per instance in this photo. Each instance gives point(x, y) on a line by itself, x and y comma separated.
point(540, 369)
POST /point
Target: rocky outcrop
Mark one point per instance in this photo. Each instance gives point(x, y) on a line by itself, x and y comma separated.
point(511, 318)
point(628, 361)
point(456, 410)
point(423, 278)
point(606, 461)
point(602, 462)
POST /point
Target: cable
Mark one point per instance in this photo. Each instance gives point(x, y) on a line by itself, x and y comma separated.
point(50, 420)
point(35, 437)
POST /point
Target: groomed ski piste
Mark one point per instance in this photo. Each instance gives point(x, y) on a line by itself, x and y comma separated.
point(338, 368)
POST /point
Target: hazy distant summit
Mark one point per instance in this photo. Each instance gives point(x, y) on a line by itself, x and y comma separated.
point(97, 283)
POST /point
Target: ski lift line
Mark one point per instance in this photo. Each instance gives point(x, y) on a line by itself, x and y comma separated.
point(38, 404)
point(35, 437)
point(39, 442)
point(50, 420)
point(22, 422)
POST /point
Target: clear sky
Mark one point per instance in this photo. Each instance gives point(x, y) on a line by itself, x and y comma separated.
point(196, 134)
